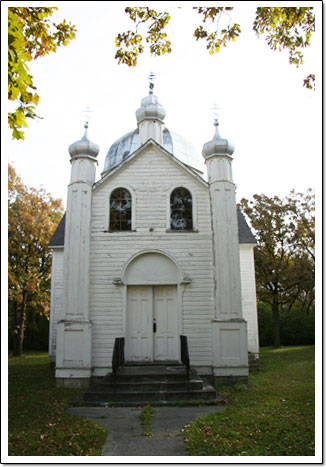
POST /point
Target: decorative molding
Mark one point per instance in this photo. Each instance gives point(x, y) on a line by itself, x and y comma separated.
point(117, 281)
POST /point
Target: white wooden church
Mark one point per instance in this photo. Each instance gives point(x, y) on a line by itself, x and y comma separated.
point(150, 252)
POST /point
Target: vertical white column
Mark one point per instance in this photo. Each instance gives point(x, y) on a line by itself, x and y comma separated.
point(73, 359)
point(229, 329)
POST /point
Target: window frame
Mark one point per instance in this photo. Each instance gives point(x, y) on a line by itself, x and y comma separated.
point(194, 209)
point(133, 209)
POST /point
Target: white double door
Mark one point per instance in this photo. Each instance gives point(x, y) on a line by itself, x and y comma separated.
point(152, 324)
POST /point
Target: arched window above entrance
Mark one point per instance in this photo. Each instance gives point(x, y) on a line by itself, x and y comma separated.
point(120, 210)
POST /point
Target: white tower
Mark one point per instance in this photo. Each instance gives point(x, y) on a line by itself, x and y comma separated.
point(230, 349)
point(150, 118)
point(73, 361)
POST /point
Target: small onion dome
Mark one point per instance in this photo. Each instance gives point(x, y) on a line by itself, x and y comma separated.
point(84, 147)
point(150, 109)
point(217, 146)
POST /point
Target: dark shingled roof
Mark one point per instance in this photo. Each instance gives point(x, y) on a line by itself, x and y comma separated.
point(245, 234)
point(58, 238)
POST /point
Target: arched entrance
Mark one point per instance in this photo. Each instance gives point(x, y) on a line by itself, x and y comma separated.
point(152, 308)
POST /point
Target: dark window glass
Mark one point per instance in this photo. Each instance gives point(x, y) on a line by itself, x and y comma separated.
point(181, 209)
point(120, 210)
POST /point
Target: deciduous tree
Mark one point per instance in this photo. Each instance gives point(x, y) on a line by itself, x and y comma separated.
point(285, 28)
point(32, 218)
point(284, 256)
point(31, 34)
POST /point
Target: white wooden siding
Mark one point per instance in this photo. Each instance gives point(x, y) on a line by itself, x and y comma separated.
point(151, 176)
point(56, 297)
point(248, 290)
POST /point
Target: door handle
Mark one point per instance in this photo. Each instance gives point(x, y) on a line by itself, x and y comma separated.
point(154, 326)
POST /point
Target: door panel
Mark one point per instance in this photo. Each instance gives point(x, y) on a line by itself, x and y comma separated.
point(166, 316)
point(139, 342)
point(144, 305)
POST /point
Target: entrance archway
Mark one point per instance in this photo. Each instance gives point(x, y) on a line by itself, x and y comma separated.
point(153, 310)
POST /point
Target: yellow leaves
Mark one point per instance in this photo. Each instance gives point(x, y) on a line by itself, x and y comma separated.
point(30, 35)
point(286, 28)
point(219, 37)
point(130, 43)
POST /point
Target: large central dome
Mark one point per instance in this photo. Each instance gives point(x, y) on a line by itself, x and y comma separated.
point(150, 120)
point(172, 142)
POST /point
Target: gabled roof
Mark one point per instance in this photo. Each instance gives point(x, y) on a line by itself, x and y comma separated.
point(148, 143)
point(244, 232)
point(58, 238)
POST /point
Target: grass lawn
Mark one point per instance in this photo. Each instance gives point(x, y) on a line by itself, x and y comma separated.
point(272, 416)
point(38, 422)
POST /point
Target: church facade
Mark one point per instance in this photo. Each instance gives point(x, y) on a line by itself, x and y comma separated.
point(150, 252)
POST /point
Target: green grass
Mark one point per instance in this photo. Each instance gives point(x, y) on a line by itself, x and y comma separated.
point(272, 416)
point(38, 422)
point(147, 416)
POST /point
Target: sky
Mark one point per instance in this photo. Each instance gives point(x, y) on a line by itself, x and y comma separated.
point(273, 121)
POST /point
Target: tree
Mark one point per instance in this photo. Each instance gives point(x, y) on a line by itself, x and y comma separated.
point(284, 256)
point(285, 28)
point(32, 218)
point(30, 35)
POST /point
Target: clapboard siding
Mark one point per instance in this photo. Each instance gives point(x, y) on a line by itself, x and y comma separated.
point(151, 178)
point(56, 297)
point(248, 290)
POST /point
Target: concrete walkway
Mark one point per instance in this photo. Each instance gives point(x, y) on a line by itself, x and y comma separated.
point(125, 433)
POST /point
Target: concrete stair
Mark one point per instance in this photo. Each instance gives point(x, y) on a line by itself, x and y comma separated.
point(139, 385)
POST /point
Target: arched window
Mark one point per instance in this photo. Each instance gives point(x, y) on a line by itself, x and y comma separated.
point(120, 210)
point(181, 209)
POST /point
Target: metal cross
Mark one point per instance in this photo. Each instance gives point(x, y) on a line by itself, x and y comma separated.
point(151, 78)
point(215, 111)
point(87, 110)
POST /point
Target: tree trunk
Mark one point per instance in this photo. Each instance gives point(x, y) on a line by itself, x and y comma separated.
point(276, 321)
point(19, 336)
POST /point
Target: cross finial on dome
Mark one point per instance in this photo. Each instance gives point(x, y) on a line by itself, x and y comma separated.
point(215, 111)
point(87, 110)
point(151, 78)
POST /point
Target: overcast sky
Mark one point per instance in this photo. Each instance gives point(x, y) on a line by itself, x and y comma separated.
point(274, 122)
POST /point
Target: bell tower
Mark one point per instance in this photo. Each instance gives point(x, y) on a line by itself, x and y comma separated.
point(230, 351)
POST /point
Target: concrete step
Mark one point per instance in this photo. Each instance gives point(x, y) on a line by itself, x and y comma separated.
point(134, 373)
point(152, 385)
point(155, 403)
point(138, 385)
point(149, 396)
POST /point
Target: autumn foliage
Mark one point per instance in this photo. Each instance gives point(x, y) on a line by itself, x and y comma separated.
point(285, 28)
point(285, 252)
point(31, 34)
point(32, 218)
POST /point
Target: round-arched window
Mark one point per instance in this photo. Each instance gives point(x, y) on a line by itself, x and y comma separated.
point(120, 210)
point(181, 209)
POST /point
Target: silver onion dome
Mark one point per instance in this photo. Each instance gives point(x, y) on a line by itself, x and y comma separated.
point(175, 144)
point(217, 146)
point(84, 147)
point(150, 109)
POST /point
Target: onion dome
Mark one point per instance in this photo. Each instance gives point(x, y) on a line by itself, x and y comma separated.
point(175, 144)
point(217, 146)
point(84, 147)
point(150, 109)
